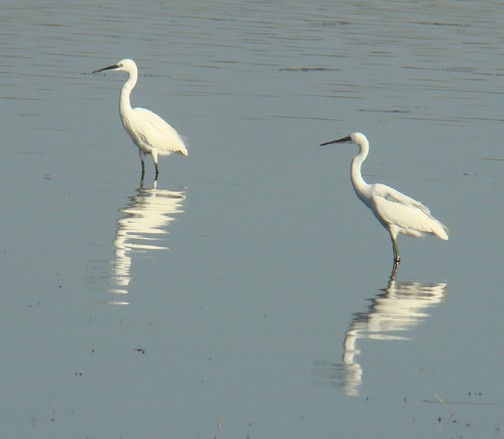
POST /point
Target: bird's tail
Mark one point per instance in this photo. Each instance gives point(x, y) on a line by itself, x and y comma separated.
point(442, 231)
point(183, 151)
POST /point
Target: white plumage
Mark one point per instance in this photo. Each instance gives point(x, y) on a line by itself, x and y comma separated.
point(398, 213)
point(151, 134)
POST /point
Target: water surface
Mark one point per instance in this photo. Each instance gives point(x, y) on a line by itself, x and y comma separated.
point(247, 294)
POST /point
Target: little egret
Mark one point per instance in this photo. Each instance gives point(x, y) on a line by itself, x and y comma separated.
point(396, 212)
point(151, 134)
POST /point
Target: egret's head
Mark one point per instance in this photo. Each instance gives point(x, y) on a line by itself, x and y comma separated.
point(125, 65)
point(357, 138)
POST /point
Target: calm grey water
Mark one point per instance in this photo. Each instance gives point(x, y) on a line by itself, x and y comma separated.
point(248, 293)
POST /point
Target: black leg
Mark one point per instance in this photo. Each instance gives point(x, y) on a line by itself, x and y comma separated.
point(143, 168)
point(395, 267)
point(397, 258)
point(157, 171)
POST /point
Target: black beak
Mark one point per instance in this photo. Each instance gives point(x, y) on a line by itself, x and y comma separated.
point(344, 139)
point(115, 66)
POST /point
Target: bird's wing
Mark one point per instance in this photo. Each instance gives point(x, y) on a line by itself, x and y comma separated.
point(395, 196)
point(406, 217)
point(410, 216)
point(155, 132)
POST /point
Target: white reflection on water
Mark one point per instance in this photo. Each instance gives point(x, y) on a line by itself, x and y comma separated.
point(401, 307)
point(144, 220)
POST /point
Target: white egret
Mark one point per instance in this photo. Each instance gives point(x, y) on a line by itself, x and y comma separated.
point(398, 213)
point(151, 134)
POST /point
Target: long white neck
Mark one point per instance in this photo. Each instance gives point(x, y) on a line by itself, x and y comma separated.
point(359, 185)
point(124, 102)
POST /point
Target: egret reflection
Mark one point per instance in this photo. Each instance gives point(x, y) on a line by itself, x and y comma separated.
point(140, 229)
point(401, 307)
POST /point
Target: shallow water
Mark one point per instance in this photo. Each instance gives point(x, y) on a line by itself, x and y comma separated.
point(247, 294)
